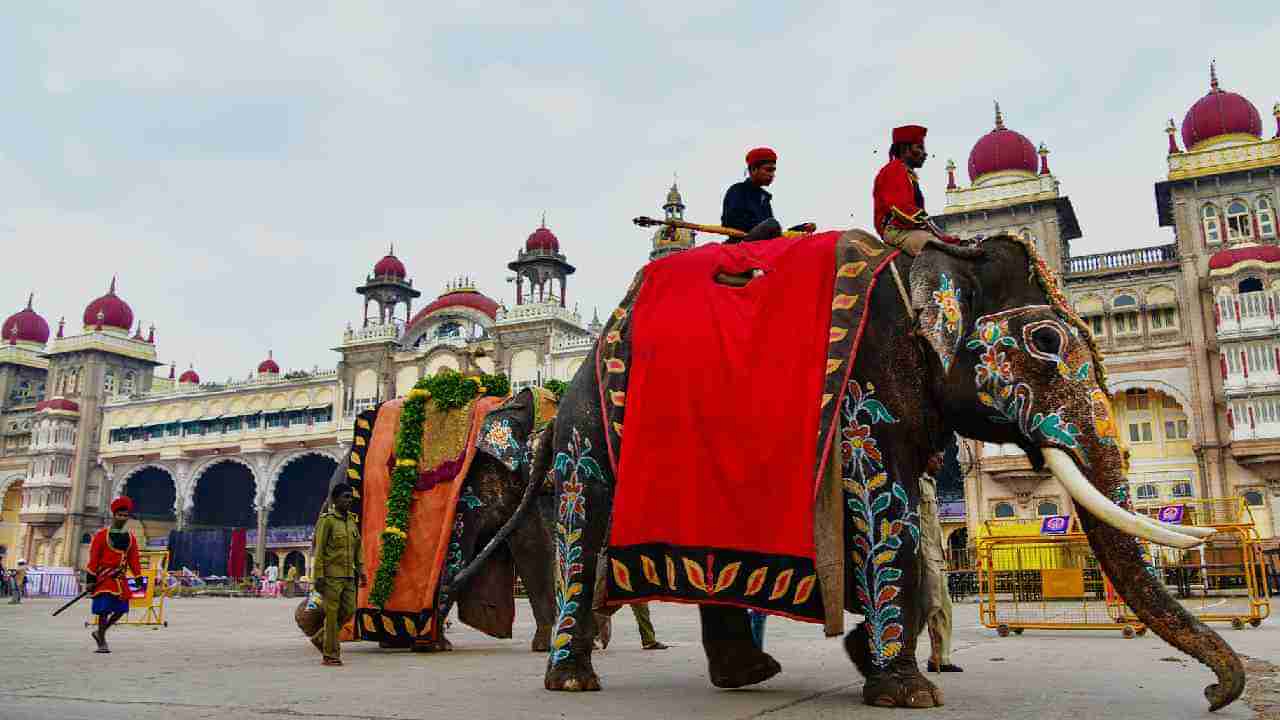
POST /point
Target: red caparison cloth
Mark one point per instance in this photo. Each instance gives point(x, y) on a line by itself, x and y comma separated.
point(723, 399)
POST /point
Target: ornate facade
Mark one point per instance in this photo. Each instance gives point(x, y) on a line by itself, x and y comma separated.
point(85, 417)
point(1189, 328)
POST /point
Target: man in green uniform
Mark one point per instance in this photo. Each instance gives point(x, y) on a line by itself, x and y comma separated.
point(935, 600)
point(338, 566)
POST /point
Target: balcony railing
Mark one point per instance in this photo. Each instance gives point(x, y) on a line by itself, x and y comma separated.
point(1247, 312)
point(573, 344)
point(537, 311)
point(371, 334)
point(1122, 259)
point(261, 432)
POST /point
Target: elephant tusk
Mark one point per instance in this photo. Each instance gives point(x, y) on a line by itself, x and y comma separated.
point(1083, 492)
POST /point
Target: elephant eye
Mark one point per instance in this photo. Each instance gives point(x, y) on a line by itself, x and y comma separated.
point(1047, 341)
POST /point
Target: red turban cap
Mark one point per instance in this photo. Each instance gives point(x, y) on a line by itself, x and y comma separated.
point(760, 156)
point(123, 502)
point(909, 134)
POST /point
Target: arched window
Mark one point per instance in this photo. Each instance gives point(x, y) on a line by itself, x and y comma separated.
point(1239, 224)
point(1126, 318)
point(1182, 490)
point(1147, 492)
point(109, 383)
point(1212, 225)
point(1047, 508)
point(449, 329)
point(1250, 285)
point(1266, 218)
point(1004, 510)
point(1253, 497)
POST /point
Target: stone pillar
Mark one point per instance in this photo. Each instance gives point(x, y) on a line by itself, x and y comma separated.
point(260, 550)
point(183, 493)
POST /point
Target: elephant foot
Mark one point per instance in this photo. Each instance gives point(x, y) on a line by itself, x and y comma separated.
point(433, 646)
point(902, 685)
point(572, 674)
point(741, 669)
point(541, 640)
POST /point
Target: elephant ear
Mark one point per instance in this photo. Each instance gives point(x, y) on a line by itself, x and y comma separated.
point(504, 435)
point(942, 298)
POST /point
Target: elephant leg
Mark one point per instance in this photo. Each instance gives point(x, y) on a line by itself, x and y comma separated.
point(534, 553)
point(887, 584)
point(582, 518)
point(733, 660)
point(885, 653)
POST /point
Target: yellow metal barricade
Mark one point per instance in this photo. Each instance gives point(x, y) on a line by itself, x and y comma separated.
point(1223, 581)
point(147, 591)
point(1041, 582)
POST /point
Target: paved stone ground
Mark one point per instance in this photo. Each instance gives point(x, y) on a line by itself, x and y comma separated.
point(244, 658)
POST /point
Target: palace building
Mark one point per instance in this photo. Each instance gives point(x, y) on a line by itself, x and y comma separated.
point(1188, 329)
point(85, 416)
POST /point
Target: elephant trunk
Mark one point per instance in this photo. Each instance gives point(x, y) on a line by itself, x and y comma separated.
point(1122, 562)
point(1111, 530)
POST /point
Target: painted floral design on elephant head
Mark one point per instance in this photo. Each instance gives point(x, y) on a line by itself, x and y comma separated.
point(1104, 423)
point(1002, 389)
point(573, 468)
point(948, 322)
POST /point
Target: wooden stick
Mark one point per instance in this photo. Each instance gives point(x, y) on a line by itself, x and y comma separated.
point(643, 221)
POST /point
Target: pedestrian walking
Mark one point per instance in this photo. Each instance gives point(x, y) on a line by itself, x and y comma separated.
point(19, 583)
point(338, 567)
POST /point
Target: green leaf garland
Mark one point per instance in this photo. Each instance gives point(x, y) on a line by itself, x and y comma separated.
point(449, 390)
point(557, 387)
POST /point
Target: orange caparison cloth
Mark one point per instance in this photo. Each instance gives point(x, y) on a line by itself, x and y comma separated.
point(430, 519)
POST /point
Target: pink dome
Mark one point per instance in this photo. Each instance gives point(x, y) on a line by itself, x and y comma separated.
point(1227, 258)
point(390, 266)
point(115, 313)
point(1219, 113)
point(1002, 150)
point(25, 326)
point(542, 239)
point(58, 403)
point(189, 376)
point(459, 298)
point(269, 365)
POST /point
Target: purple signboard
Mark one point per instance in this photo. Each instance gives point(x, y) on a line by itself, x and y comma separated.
point(1055, 524)
point(1172, 514)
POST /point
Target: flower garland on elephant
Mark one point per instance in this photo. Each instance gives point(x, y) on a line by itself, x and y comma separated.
point(449, 390)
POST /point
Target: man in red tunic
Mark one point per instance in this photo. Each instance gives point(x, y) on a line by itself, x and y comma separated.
point(899, 205)
point(114, 551)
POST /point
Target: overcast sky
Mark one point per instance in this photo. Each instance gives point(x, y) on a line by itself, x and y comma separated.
point(242, 166)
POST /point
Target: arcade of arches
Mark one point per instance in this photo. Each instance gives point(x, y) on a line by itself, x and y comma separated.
point(224, 496)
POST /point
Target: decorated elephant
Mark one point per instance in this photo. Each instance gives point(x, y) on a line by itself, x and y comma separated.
point(836, 345)
point(472, 524)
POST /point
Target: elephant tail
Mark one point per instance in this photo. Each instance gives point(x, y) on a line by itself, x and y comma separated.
point(535, 483)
